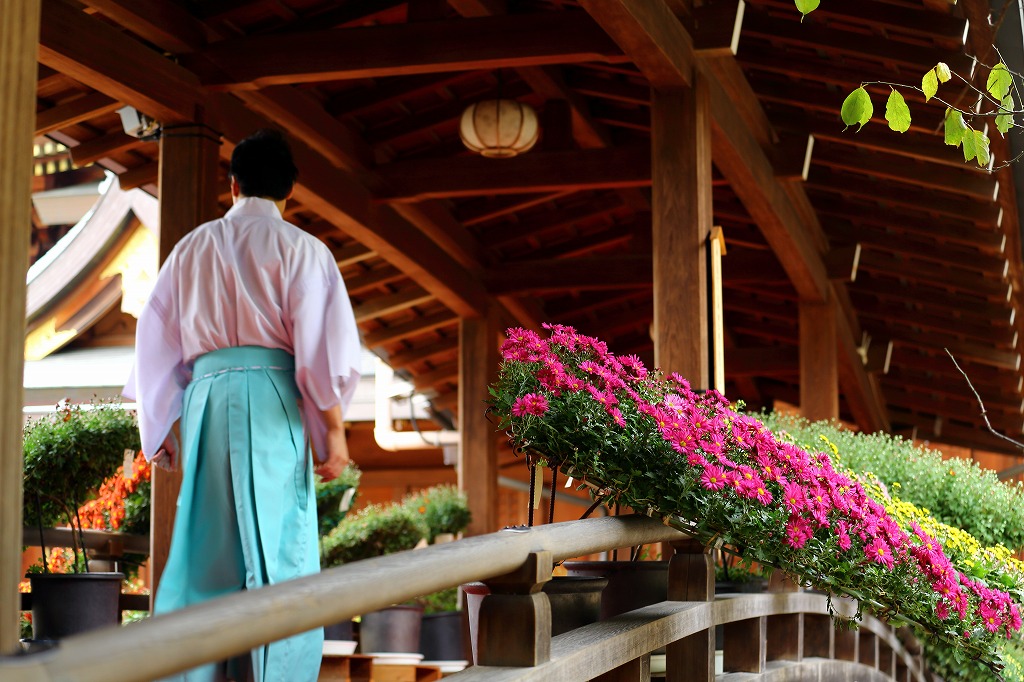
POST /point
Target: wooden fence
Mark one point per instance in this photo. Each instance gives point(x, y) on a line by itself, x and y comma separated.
point(782, 635)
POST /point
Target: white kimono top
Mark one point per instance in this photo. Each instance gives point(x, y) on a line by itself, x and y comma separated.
point(248, 279)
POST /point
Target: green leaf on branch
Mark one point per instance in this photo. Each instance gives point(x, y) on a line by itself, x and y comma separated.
point(930, 84)
point(955, 127)
point(943, 72)
point(857, 108)
point(897, 113)
point(999, 81)
point(1004, 121)
point(975, 145)
point(805, 7)
point(981, 148)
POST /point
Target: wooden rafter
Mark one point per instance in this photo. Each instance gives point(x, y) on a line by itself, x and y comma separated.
point(534, 172)
point(74, 111)
point(405, 49)
point(124, 70)
point(594, 273)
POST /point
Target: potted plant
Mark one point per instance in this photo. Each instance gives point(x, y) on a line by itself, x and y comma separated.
point(334, 498)
point(377, 530)
point(68, 454)
point(445, 510)
point(720, 475)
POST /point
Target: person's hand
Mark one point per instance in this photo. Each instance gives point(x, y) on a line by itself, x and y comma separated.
point(167, 456)
point(337, 455)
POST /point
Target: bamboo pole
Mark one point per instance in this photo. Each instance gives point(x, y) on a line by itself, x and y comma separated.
point(19, 44)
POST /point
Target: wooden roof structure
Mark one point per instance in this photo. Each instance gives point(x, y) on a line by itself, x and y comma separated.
point(426, 233)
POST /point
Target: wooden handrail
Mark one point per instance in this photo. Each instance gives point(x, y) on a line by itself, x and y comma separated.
point(595, 649)
point(174, 642)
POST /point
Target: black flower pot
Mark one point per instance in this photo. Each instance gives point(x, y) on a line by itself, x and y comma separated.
point(65, 604)
point(441, 637)
point(631, 584)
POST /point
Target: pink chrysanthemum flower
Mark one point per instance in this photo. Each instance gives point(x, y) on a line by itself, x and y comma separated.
point(531, 403)
point(713, 477)
point(880, 552)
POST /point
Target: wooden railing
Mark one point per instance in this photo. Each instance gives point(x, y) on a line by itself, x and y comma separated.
point(514, 620)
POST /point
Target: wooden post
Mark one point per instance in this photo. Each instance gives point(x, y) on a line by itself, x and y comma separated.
point(845, 644)
point(868, 650)
point(691, 577)
point(819, 362)
point(19, 45)
point(818, 636)
point(716, 249)
point(745, 648)
point(681, 198)
point(188, 197)
point(478, 451)
point(515, 618)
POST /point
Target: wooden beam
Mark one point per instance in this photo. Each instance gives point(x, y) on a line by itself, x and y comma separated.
point(745, 165)
point(904, 196)
point(819, 367)
point(651, 35)
point(373, 279)
point(942, 275)
point(140, 176)
point(18, 43)
point(168, 25)
point(351, 254)
point(841, 263)
point(594, 273)
point(381, 306)
point(125, 70)
point(404, 330)
point(188, 197)
point(914, 229)
point(406, 49)
point(959, 181)
point(535, 172)
point(440, 347)
point(478, 455)
point(74, 111)
point(541, 223)
point(103, 146)
point(874, 49)
point(762, 362)
point(682, 217)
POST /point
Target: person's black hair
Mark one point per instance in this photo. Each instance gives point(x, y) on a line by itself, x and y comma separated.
point(263, 166)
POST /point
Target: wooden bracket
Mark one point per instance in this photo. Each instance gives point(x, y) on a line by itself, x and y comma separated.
point(515, 619)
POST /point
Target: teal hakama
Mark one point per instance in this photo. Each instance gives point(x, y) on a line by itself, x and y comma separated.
point(246, 512)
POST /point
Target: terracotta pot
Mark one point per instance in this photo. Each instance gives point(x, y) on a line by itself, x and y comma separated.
point(65, 604)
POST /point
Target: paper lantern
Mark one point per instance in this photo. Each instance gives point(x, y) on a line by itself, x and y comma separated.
point(499, 128)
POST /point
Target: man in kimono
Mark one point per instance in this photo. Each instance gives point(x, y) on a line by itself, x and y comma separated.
point(249, 339)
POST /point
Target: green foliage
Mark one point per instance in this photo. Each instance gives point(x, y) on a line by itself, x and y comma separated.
point(375, 530)
point(954, 127)
point(897, 113)
point(69, 453)
point(444, 508)
point(807, 6)
point(136, 510)
point(440, 602)
point(1004, 121)
point(857, 108)
point(999, 81)
point(332, 501)
point(957, 492)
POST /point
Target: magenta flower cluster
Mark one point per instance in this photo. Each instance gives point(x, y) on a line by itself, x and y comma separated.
point(707, 434)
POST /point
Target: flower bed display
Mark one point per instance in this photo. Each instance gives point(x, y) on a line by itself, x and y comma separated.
point(660, 448)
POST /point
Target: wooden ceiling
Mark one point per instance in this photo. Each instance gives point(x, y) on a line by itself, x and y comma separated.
point(423, 232)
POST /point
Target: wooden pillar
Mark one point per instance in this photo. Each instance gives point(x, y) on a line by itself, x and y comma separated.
point(19, 45)
point(188, 197)
point(478, 451)
point(681, 215)
point(691, 577)
point(819, 362)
